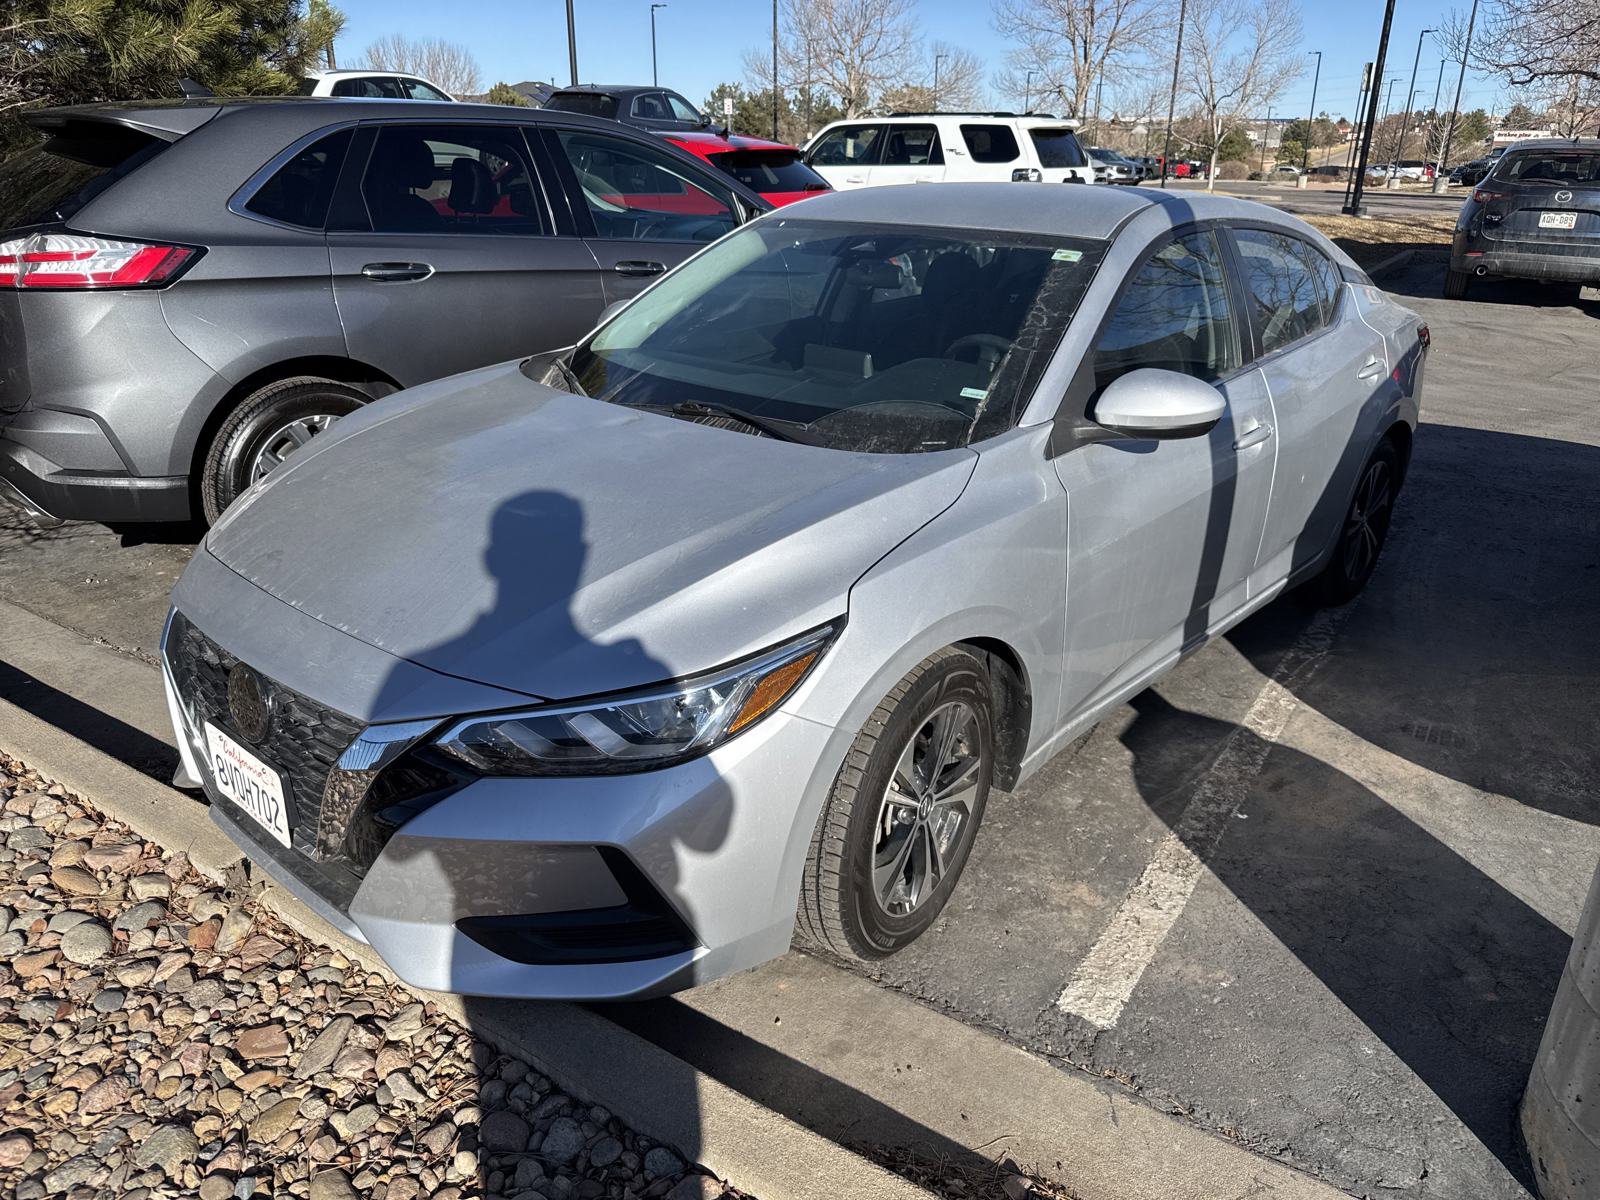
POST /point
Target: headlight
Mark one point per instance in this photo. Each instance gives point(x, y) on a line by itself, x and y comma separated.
point(636, 732)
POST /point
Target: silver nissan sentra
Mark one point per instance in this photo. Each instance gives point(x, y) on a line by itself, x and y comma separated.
point(582, 676)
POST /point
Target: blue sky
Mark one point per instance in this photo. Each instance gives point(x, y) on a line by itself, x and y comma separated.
point(702, 42)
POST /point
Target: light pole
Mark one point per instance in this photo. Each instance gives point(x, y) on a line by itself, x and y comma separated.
point(1172, 99)
point(572, 45)
point(774, 70)
point(1400, 148)
point(1027, 91)
point(1305, 160)
point(1439, 180)
point(655, 78)
point(1266, 132)
point(1355, 132)
point(1354, 209)
point(936, 59)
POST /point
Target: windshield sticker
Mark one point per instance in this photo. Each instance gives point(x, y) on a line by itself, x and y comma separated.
point(974, 393)
point(1067, 255)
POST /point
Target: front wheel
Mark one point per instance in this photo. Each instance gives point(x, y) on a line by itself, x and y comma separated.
point(900, 821)
point(266, 427)
point(1364, 532)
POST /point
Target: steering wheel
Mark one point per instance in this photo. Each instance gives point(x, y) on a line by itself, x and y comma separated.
point(992, 348)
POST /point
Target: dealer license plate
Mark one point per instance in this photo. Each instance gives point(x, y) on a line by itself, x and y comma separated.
point(248, 782)
point(1558, 220)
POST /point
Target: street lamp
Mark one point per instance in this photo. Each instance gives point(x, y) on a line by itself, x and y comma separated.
point(1266, 132)
point(775, 92)
point(655, 78)
point(1172, 97)
point(1354, 208)
point(1439, 180)
point(1400, 149)
point(936, 59)
point(1305, 160)
point(572, 44)
point(1027, 91)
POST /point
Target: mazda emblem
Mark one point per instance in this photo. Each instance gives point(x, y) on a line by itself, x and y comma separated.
point(248, 703)
point(1563, 197)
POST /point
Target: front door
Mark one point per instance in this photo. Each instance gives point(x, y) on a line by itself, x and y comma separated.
point(1162, 535)
point(445, 255)
point(846, 154)
point(641, 210)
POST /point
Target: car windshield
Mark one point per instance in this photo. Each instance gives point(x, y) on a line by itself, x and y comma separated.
point(770, 171)
point(1553, 168)
point(882, 339)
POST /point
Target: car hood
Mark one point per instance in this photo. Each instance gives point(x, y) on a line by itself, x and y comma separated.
point(500, 531)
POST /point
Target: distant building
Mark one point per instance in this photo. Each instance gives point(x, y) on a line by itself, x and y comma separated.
point(1504, 137)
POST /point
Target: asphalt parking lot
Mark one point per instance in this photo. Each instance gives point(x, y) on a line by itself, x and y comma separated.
point(1315, 889)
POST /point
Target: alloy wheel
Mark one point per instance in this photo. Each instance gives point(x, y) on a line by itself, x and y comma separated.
point(1369, 516)
point(286, 439)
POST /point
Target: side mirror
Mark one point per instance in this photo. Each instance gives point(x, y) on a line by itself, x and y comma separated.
point(1153, 403)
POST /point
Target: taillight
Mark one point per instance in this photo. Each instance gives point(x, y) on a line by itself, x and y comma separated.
point(1484, 195)
point(75, 260)
point(1424, 338)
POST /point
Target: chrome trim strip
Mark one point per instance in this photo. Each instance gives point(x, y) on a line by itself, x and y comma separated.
point(352, 776)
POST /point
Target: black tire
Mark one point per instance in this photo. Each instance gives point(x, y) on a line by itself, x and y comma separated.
point(255, 427)
point(1363, 533)
point(1455, 284)
point(840, 910)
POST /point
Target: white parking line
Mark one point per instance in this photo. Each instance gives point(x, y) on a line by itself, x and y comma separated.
point(1104, 981)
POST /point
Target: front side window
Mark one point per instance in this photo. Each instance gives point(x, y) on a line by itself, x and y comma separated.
point(452, 179)
point(847, 146)
point(912, 146)
point(1174, 315)
point(299, 193)
point(990, 143)
point(1281, 283)
point(415, 89)
point(682, 110)
point(632, 191)
point(861, 338)
point(651, 106)
point(1057, 148)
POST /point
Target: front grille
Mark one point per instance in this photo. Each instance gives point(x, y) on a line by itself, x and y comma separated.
point(304, 739)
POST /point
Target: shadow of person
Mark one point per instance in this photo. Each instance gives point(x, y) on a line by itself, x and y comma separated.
point(1449, 969)
point(508, 849)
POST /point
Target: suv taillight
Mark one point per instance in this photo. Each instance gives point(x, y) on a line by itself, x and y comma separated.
point(76, 260)
point(1484, 195)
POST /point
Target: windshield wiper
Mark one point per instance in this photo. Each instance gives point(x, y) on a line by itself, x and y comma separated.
point(568, 377)
point(785, 431)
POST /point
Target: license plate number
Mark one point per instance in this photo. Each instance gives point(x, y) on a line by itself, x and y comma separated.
point(1558, 220)
point(248, 782)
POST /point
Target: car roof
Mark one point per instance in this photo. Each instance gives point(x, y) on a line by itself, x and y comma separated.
point(713, 143)
point(337, 72)
point(609, 89)
point(1572, 143)
point(1070, 210)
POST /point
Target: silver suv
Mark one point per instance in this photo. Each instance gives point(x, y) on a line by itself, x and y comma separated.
point(191, 290)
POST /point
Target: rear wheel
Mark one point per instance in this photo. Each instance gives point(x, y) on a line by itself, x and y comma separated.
point(266, 427)
point(904, 811)
point(1364, 532)
point(1455, 284)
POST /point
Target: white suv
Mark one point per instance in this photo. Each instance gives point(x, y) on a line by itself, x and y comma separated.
point(386, 85)
point(948, 148)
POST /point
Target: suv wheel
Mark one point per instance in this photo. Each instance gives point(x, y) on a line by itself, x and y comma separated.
point(899, 824)
point(266, 427)
point(1455, 284)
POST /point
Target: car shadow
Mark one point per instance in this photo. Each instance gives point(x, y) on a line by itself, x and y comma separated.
point(1424, 278)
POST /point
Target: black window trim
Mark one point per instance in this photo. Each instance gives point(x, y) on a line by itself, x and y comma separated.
point(1236, 259)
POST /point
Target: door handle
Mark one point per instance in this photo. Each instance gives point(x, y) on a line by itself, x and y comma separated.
point(1374, 367)
point(855, 178)
point(639, 266)
point(1253, 436)
point(397, 272)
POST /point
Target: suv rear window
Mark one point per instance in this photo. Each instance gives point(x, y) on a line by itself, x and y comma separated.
point(1558, 168)
point(770, 171)
point(1059, 148)
point(299, 193)
point(595, 104)
point(58, 174)
point(990, 143)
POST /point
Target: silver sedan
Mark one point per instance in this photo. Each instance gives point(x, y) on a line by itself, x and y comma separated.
point(582, 676)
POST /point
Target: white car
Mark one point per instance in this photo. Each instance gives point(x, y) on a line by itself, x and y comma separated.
point(377, 85)
point(948, 148)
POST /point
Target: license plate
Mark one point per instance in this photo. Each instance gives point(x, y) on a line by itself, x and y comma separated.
point(1558, 220)
point(248, 782)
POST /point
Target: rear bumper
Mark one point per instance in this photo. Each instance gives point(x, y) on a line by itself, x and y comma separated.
point(1524, 260)
point(52, 493)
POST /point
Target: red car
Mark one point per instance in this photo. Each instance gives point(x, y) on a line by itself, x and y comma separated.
point(769, 168)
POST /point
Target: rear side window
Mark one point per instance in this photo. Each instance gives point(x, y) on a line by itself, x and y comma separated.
point(770, 171)
point(1557, 168)
point(847, 146)
point(55, 176)
point(595, 104)
point(990, 143)
point(1281, 283)
point(452, 179)
point(299, 193)
point(1173, 315)
point(1057, 148)
point(912, 146)
point(379, 87)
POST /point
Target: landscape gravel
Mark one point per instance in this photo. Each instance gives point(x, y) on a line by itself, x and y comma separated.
point(163, 1037)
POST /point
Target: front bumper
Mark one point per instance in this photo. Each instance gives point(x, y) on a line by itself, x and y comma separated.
point(716, 844)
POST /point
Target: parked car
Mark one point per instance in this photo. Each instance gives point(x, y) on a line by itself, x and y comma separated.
point(1470, 173)
point(948, 148)
point(1286, 171)
point(1536, 215)
point(1111, 167)
point(1413, 169)
point(372, 85)
point(600, 666)
point(190, 291)
point(1329, 171)
point(772, 169)
point(653, 108)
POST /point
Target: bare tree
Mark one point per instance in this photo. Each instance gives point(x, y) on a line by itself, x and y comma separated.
point(447, 64)
point(854, 49)
point(1069, 46)
point(1239, 57)
point(1525, 41)
point(1571, 104)
point(959, 80)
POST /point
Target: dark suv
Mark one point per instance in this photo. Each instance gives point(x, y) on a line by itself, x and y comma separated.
point(189, 290)
point(659, 109)
point(1535, 215)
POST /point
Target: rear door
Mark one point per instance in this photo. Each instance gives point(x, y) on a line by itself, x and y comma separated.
point(447, 253)
point(846, 154)
point(911, 154)
point(641, 209)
